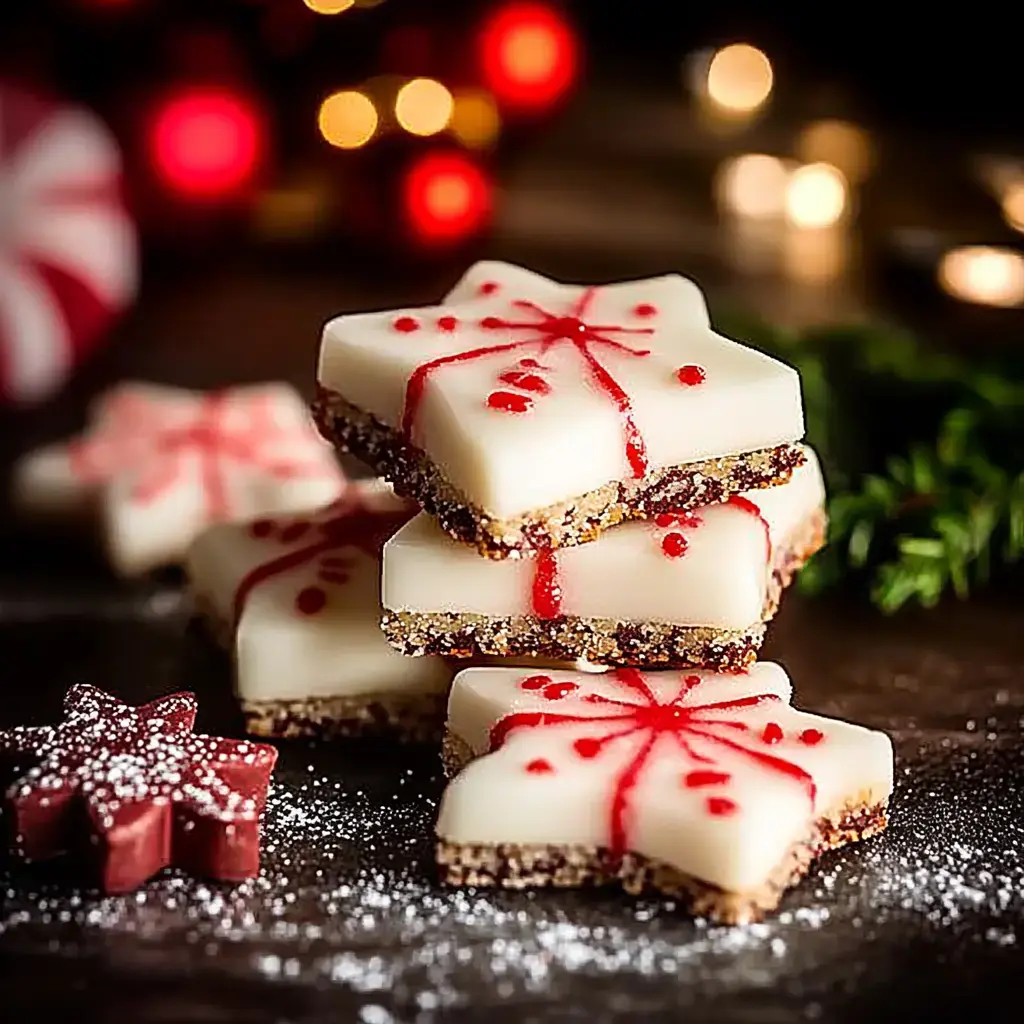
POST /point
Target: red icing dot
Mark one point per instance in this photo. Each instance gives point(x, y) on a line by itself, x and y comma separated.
point(664, 519)
point(509, 401)
point(689, 682)
point(525, 381)
point(492, 323)
point(644, 309)
point(489, 287)
point(556, 691)
point(674, 545)
point(811, 736)
point(406, 324)
point(540, 766)
point(691, 375)
point(261, 528)
point(294, 532)
point(447, 323)
point(534, 682)
point(721, 806)
point(587, 746)
point(772, 733)
point(531, 364)
point(699, 779)
point(310, 600)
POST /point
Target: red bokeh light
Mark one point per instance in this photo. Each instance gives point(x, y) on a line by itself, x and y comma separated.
point(446, 198)
point(207, 144)
point(529, 55)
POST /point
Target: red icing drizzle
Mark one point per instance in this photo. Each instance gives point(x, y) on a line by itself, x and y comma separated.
point(550, 329)
point(741, 502)
point(700, 779)
point(310, 600)
point(509, 401)
point(721, 806)
point(674, 545)
point(534, 682)
point(691, 375)
point(154, 439)
point(546, 592)
point(525, 381)
point(347, 524)
point(639, 712)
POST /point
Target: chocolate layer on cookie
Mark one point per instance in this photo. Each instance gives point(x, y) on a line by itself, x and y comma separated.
point(709, 788)
point(527, 415)
point(297, 602)
point(682, 589)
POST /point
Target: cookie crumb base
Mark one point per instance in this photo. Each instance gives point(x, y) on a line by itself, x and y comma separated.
point(523, 866)
point(567, 638)
point(411, 717)
point(565, 524)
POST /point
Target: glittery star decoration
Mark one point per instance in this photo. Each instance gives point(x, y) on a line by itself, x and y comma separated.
point(135, 790)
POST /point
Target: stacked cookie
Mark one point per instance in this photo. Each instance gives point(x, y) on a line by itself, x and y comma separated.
point(603, 478)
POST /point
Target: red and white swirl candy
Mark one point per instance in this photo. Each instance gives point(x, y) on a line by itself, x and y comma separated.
point(68, 259)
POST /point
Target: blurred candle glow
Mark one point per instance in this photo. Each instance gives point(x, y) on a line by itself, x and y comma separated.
point(739, 79)
point(1013, 206)
point(329, 6)
point(983, 275)
point(839, 143)
point(752, 185)
point(475, 120)
point(347, 119)
point(423, 107)
point(816, 196)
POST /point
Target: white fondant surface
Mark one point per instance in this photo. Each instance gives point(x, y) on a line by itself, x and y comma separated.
point(571, 440)
point(497, 799)
point(720, 581)
point(284, 654)
point(146, 467)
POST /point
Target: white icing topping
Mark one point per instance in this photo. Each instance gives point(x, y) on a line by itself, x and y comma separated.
point(573, 438)
point(160, 464)
point(310, 629)
point(720, 580)
point(715, 775)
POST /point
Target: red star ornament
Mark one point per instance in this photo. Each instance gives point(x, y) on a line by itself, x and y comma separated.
point(136, 790)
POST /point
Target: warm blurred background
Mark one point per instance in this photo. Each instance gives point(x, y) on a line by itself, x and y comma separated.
point(285, 160)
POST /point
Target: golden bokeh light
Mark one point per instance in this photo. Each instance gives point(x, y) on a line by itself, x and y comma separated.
point(840, 144)
point(739, 78)
point(329, 6)
point(815, 255)
point(983, 275)
point(347, 119)
point(475, 120)
point(423, 107)
point(752, 185)
point(1013, 206)
point(816, 196)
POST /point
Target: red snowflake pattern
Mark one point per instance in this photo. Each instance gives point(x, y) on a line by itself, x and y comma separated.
point(697, 730)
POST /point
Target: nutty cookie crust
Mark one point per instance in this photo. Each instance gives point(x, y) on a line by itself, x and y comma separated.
point(673, 489)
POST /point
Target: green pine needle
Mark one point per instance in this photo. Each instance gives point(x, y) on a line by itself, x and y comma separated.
point(922, 453)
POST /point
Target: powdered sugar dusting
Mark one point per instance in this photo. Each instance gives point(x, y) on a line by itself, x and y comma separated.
point(347, 897)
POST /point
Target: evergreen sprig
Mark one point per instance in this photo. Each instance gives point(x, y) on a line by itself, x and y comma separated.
point(923, 454)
